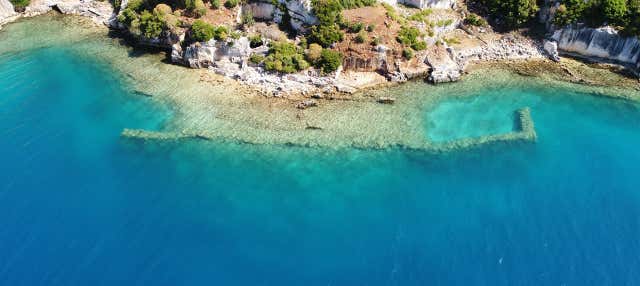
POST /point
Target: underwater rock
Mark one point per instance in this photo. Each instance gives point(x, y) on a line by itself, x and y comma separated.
point(306, 104)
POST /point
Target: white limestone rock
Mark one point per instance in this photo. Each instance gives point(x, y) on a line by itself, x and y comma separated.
point(551, 47)
point(443, 67)
point(602, 42)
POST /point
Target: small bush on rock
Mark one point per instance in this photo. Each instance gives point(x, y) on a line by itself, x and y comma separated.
point(285, 57)
point(329, 61)
point(230, 4)
point(19, 5)
point(202, 31)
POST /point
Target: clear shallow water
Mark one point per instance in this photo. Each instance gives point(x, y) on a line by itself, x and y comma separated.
point(80, 206)
point(487, 113)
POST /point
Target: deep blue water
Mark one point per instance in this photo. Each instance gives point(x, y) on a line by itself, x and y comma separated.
point(81, 206)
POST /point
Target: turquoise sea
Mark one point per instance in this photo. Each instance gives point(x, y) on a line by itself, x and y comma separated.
point(81, 206)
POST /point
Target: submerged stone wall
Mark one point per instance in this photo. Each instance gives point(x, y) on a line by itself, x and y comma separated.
point(524, 132)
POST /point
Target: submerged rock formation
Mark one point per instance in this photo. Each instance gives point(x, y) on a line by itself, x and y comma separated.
point(603, 43)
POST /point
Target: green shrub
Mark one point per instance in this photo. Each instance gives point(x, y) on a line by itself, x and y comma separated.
point(326, 35)
point(127, 16)
point(314, 53)
point(475, 20)
point(220, 33)
point(230, 4)
point(409, 36)
point(19, 5)
point(371, 27)
point(512, 13)
point(633, 26)
point(255, 41)
point(247, 18)
point(621, 13)
point(256, 58)
point(151, 24)
point(419, 45)
point(202, 31)
point(407, 54)
point(135, 5)
point(361, 37)
point(215, 4)
point(303, 42)
point(444, 23)
point(351, 4)
point(421, 16)
point(393, 14)
point(196, 7)
point(615, 11)
point(329, 61)
point(356, 27)
point(375, 42)
point(285, 57)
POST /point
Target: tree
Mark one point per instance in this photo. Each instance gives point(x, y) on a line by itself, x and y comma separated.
point(633, 14)
point(513, 13)
point(329, 15)
point(285, 57)
point(151, 24)
point(615, 11)
point(326, 35)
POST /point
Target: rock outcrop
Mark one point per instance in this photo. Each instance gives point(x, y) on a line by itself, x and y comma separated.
point(443, 67)
point(208, 54)
point(6, 11)
point(99, 11)
point(299, 13)
point(551, 47)
point(604, 43)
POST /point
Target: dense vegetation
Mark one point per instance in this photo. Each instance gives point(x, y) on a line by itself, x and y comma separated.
point(329, 61)
point(511, 13)
point(329, 15)
point(410, 37)
point(285, 57)
point(624, 14)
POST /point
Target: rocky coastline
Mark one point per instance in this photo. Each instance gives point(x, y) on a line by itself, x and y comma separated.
point(440, 63)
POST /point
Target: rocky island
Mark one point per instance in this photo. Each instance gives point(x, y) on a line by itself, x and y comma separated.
point(309, 48)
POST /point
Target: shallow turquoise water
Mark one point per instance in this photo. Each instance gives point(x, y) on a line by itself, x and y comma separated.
point(81, 206)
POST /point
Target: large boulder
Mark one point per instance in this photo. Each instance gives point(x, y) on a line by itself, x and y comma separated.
point(551, 47)
point(443, 67)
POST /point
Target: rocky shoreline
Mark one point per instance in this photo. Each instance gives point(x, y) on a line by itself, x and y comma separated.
point(440, 63)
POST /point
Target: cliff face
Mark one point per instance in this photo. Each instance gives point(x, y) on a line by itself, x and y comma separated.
point(6, 10)
point(601, 42)
point(300, 12)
